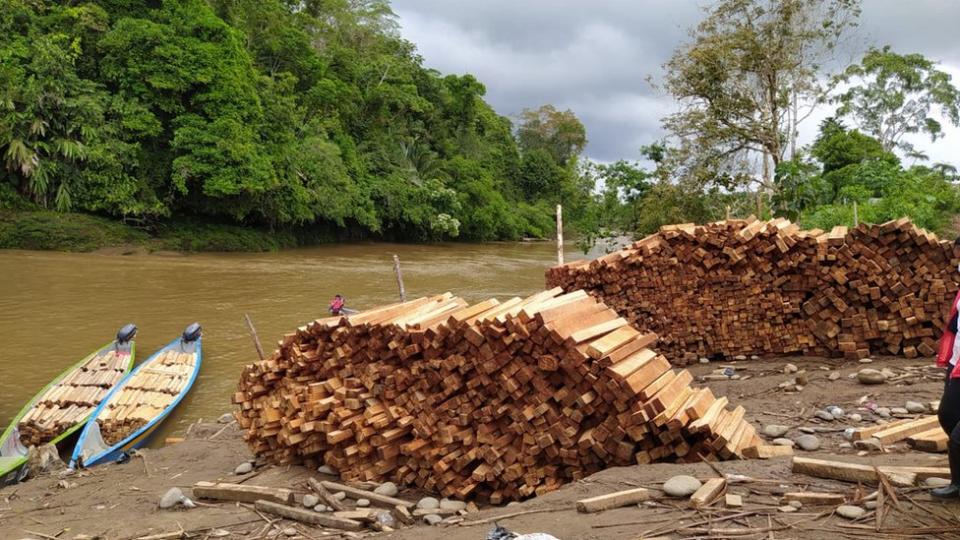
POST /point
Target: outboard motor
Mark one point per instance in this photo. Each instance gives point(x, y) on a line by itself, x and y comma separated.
point(192, 332)
point(126, 333)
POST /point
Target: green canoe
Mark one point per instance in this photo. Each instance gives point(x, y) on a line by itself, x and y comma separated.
point(108, 365)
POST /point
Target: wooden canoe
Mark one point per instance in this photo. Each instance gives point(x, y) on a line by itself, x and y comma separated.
point(65, 404)
point(140, 403)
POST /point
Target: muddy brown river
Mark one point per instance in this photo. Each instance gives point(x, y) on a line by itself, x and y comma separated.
point(55, 308)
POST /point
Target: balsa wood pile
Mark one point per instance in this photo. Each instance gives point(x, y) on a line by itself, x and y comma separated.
point(495, 401)
point(742, 287)
point(72, 399)
point(150, 390)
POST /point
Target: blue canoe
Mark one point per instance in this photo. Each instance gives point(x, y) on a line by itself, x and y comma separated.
point(138, 405)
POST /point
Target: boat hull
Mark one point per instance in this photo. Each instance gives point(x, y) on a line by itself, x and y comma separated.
point(120, 451)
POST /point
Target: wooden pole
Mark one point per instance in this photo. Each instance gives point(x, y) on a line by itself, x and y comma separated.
point(559, 235)
point(856, 215)
point(728, 212)
point(253, 333)
point(396, 270)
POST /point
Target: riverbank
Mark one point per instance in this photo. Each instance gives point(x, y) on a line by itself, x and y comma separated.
point(54, 231)
point(101, 502)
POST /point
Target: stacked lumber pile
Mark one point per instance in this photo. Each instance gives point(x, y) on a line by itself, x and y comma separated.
point(150, 390)
point(495, 401)
point(73, 398)
point(740, 287)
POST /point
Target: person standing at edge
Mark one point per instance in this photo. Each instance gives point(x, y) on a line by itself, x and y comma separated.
point(949, 413)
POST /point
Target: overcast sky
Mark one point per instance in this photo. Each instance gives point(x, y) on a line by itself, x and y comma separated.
point(595, 57)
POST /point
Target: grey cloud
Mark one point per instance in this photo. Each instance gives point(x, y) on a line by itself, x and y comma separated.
point(595, 57)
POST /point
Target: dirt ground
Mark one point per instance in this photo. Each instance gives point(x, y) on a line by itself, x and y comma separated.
point(120, 501)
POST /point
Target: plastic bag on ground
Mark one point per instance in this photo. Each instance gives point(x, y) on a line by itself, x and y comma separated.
point(499, 533)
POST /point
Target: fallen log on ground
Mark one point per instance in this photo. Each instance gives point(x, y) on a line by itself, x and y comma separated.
point(866, 474)
point(495, 401)
point(741, 287)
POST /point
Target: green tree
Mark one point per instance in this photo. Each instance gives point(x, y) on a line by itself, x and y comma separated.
point(741, 82)
point(892, 96)
point(560, 133)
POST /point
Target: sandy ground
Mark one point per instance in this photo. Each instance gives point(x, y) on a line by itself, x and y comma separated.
point(120, 501)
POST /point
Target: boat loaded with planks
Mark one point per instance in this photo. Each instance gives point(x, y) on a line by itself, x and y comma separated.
point(65, 404)
point(141, 402)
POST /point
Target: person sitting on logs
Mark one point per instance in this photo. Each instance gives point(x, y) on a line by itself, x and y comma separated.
point(949, 413)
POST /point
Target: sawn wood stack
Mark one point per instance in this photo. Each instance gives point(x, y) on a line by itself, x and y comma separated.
point(73, 399)
point(742, 287)
point(495, 401)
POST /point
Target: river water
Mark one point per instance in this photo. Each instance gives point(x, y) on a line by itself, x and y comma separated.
point(55, 308)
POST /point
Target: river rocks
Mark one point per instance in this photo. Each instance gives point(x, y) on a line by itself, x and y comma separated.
point(244, 468)
point(850, 512)
point(782, 441)
point(363, 503)
point(936, 482)
point(310, 500)
point(808, 442)
point(787, 509)
point(740, 357)
point(447, 504)
point(322, 508)
point(870, 376)
point(824, 415)
point(845, 446)
point(916, 407)
point(774, 430)
point(796, 504)
point(291, 531)
point(681, 486)
point(866, 360)
point(225, 418)
point(174, 497)
point(871, 445)
point(432, 519)
point(428, 503)
point(883, 412)
point(704, 360)
point(835, 411)
point(888, 373)
point(340, 495)
point(834, 375)
point(854, 417)
point(789, 368)
point(326, 469)
point(898, 410)
point(387, 488)
point(807, 429)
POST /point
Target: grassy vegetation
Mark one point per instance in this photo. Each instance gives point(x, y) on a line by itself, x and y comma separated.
point(46, 230)
point(63, 232)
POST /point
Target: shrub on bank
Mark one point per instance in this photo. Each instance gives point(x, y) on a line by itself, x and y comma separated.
point(46, 230)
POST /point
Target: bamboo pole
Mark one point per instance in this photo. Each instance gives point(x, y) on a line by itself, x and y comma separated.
point(253, 333)
point(396, 270)
point(559, 235)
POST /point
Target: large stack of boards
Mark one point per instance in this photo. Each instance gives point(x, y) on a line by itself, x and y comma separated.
point(740, 287)
point(494, 401)
point(148, 392)
point(72, 399)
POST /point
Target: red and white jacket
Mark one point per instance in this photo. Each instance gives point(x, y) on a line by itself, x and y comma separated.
point(945, 352)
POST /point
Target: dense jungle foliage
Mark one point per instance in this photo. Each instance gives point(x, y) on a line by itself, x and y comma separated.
point(310, 117)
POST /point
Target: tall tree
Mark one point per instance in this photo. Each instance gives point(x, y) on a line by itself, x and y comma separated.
point(558, 132)
point(742, 78)
point(894, 95)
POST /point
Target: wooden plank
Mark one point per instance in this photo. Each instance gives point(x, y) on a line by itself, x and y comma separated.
point(809, 498)
point(613, 500)
point(850, 472)
point(242, 493)
point(325, 495)
point(867, 432)
point(358, 493)
point(308, 516)
point(900, 432)
point(767, 451)
point(710, 490)
point(933, 440)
